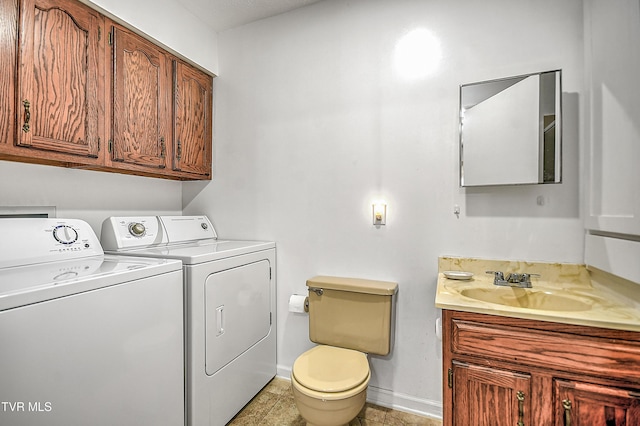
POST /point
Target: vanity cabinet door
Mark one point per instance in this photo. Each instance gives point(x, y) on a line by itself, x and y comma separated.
point(599, 370)
point(58, 88)
point(192, 106)
point(141, 103)
point(485, 396)
point(585, 404)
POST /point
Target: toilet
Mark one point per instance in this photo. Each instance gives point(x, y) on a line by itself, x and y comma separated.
point(348, 318)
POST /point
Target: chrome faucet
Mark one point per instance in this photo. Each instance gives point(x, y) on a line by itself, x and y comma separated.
point(513, 279)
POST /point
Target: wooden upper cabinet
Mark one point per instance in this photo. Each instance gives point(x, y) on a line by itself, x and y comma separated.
point(58, 90)
point(141, 102)
point(79, 90)
point(192, 105)
point(8, 38)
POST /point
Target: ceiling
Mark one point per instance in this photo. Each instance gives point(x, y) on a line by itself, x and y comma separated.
point(224, 14)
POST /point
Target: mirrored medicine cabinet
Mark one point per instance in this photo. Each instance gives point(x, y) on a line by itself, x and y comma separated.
point(510, 130)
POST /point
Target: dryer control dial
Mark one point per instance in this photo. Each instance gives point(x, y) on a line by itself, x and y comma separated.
point(137, 229)
point(65, 234)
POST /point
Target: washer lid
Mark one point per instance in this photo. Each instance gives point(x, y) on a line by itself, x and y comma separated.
point(24, 285)
point(330, 369)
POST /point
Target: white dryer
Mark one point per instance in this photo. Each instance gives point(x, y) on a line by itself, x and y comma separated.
point(230, 294)
point(86, 338)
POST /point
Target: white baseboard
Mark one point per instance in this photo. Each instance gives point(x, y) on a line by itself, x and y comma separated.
point(390, 399)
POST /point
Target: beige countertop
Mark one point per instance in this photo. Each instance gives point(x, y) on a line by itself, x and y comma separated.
point(564, 293)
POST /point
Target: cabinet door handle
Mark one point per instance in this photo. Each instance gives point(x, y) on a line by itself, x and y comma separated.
point(520, 397)
point(566, 404)
point(27, 115)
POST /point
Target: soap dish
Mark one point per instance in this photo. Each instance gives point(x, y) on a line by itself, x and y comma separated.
point(458, 275)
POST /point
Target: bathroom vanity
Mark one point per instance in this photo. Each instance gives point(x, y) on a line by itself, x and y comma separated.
point(510, 361)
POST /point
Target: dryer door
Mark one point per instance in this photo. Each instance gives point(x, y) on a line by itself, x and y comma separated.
point(237, 312)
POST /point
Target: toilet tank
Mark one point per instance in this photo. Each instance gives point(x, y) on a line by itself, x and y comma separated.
point(352, 313)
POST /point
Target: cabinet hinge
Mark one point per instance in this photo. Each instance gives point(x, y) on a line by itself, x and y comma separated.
point(269, 272)
point(110, 38)
point(270, 318)
point(110, 145)
point(99, 33)
point(450, 378)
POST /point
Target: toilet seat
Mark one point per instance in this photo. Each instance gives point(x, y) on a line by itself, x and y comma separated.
point(328, 369)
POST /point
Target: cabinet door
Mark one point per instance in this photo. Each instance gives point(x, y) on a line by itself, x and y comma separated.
point(486, 396)
point(141, 99)
point(614, 116)
point(58, 84)
point(585, 404)
point(8, 37)
point(193, 120)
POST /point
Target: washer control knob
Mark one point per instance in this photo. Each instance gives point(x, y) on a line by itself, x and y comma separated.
point(137, 229)
point(65, 234)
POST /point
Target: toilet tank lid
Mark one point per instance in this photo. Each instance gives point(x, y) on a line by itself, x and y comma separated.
point(355, 285)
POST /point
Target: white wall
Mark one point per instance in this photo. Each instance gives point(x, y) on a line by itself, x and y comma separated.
point(84, 194)
point(169, 23)
point(314, 122)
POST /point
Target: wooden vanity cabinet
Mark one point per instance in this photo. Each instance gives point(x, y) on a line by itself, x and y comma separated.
point(59, 94)
point(587, 404)
point(510, 371)
point(490, 396)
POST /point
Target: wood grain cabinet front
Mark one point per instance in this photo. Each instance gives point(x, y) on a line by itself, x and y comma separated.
point(510, 371)
point(141, 117)
point(490, 396)
point(84, 91)
point(587, 404)
point(192, 107)
point(8, 55)
point(58, 92)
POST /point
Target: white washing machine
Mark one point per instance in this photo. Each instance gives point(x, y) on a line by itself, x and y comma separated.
point(230, 293)
point(86, 338)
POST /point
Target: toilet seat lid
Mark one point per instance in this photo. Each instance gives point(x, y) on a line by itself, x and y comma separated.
point(330, 369)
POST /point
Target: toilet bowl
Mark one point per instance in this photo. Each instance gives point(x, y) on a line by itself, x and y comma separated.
point(348, 318)
point(330, 385)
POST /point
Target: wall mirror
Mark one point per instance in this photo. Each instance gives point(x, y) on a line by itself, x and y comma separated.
point(510, 130)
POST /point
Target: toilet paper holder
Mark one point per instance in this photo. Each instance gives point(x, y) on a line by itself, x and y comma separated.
point(298, 304)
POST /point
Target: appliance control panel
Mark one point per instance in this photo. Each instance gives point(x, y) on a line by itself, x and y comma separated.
point(135, 232)
point(188, 228)
point(27, 241)
point(125, 232)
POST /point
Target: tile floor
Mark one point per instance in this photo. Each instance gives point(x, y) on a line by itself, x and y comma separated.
point(274, 406)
